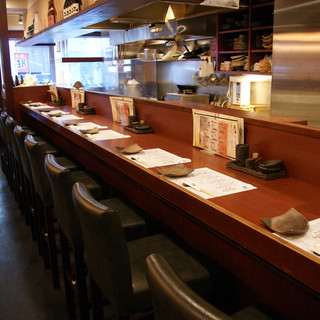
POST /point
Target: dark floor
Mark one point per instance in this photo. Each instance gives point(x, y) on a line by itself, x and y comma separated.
point(26, 290)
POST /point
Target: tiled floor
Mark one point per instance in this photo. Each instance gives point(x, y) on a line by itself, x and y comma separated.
point(26, 290)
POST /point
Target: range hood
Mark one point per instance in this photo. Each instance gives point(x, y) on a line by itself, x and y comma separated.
point(181, 30)
point(154, 20)
point(161, 11)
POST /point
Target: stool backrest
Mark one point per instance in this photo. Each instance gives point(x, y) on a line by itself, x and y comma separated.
point(36, 153)
point(10, 124)
point(4, 116)
point(172, 298)
point(61, 181)
point(105, 248)
point(20, 135)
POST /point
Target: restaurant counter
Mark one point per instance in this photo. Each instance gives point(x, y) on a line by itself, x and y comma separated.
point(228, 229)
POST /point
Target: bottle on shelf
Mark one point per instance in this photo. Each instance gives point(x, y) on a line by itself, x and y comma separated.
point(51, 13)
point(16, 81)
point(21, 79)
point(36, 23)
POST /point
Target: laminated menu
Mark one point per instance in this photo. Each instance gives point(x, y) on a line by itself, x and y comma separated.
point(122, 108)
point(217, 133)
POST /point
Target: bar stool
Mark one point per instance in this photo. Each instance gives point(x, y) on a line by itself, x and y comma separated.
point(117, 268)
point(20, 135)
point(9, 153)
point(10, 123)
point(36, 152)
point(4, 151)
point(173, 299)
point(62, 180)
point(18, 175)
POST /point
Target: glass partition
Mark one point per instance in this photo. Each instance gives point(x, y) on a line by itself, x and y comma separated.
point(33, 63)
point(78, 60)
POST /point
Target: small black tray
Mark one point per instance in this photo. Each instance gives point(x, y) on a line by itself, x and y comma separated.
point(86, 112)
point(150, 130)
point(257, 173)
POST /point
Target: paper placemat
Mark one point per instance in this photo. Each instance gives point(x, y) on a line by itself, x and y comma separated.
point(42, 107)
point(156, 158)
point(66, 117)
point(308, 241)
point(106, 135)
point(208, 183)
point(86, 125)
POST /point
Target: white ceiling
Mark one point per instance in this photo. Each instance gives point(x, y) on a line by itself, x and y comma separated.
point(15, 8)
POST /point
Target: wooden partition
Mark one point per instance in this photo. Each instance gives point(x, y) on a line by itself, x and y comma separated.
point(273, 137)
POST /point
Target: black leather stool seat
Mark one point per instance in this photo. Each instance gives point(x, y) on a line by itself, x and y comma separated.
point(117, 268)
point(173, 299)
point(20, 134)
point(186, 266)
point(133, 225)
point(36, 152)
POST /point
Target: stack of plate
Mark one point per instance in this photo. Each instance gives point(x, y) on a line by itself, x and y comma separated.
point(267, 41)
point(239, 62)
point(240, 43)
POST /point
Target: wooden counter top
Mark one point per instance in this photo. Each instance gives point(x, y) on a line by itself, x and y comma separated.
point(227, 229)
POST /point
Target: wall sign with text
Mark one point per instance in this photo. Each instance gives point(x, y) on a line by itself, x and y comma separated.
point(21, 62)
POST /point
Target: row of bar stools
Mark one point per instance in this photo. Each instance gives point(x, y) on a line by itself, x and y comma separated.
point(62, 180)
point(28, 152)
point(36, 152)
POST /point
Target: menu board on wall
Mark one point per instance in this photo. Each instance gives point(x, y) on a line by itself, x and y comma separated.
point(217, 133)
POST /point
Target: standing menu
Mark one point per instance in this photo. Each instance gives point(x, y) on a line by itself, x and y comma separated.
point(217, 133)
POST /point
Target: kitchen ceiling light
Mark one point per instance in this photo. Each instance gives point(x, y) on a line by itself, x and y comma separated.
point(20, 19)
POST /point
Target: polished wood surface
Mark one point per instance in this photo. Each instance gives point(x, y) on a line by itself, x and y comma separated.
point(226, 229)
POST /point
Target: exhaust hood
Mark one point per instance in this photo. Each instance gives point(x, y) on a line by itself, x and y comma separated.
point(187, 29)
point(161, 11)
point(152, 20)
